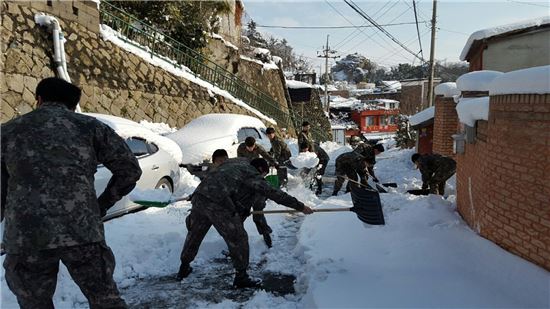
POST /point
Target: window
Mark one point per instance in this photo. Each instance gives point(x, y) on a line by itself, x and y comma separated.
point(241, 135)
point(152, 148)
point(254, 133)
point(370, 121)
point(137, 146)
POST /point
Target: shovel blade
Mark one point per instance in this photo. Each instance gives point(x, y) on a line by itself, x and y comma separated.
point(419, 192)
point(152, 203)
point(367, 206)
point(390, 184)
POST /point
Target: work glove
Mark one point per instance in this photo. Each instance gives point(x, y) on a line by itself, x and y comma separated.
point(267, 239)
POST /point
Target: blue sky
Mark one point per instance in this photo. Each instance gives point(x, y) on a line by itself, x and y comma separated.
point(455, 19)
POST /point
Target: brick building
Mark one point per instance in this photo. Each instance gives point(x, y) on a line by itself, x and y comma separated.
point(445, 118)
point(414, 95)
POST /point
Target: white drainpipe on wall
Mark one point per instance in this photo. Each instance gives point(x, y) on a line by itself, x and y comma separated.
point(58, 45)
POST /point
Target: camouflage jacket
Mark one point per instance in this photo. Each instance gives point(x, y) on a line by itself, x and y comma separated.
point(279, 150)
point(305, 138)
point(351, 161)
point(236, 185)
point(49, 158)
point(434, 163)
point(258, 152)
point(367, 151)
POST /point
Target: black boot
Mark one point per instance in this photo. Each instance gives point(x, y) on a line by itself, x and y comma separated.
point(184, 271)
point(242, 280)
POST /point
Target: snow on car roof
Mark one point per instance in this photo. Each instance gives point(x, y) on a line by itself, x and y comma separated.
point(200, 137)
point(127, 128)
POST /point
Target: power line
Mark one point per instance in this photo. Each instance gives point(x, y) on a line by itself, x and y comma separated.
point(417, 29)
point(530, 3)
point(372, 21)
point(338, 27)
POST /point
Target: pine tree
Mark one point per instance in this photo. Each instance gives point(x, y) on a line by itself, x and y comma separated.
point(404, 136)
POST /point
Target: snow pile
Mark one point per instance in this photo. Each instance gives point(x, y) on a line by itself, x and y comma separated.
point(422, 116)
point(472, 109)
point(127, 129)
point(448, 90)
point(159, 195)
point(186, 185)
point(490, 32)
point(203, 135)
point(526, 81)
point(305, 160)
point(338, 102)
point(296, 84)
point(160, 128)
point(477, 80)
point(108, 34)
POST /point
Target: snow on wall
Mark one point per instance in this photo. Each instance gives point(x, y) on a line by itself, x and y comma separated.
point(490, 32)
point(527, 81)
point(422, 116)
point(472, 109)
point(108, 34)
point(448, 90)
point(295, 84)
point(266, 65)
point(225, 42)
point(477, 80)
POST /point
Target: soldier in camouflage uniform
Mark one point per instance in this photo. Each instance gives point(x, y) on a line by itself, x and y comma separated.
point(435, 170)
point(281, 154)
point(350, 164)
point(49, 158)
point(321, 166)
point(250, 150)
point(305, 137)
point(221, 200)
point(369, 152)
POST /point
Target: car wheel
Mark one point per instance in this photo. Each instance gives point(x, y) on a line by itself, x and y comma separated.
point(165, 184)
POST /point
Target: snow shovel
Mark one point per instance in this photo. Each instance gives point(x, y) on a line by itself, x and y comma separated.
point(419, 191)
point(160, 204)
point(366, 205)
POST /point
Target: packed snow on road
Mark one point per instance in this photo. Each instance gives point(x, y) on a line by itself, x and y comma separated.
point(425, 255)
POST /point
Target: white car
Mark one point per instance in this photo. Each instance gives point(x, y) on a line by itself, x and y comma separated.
point(158, 157)
point(203, 135)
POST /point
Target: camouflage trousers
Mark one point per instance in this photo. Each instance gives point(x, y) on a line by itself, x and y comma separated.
point(33, 277)
point(439, 179)
point(229, 225)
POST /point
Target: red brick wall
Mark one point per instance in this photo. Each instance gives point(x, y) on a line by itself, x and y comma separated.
point(445, 125)
point(411, 99)
point(508, 177)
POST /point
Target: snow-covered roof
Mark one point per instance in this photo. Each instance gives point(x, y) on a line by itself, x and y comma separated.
point(200, 137)
point(447, 90)
point(532, 80)
point(329, 87)
point(477, 80)
point(422, 116)
point(472, 109)
point(127, 128)
point(295, 84)
point(340, 102)
point(391, 84)
point(490, 32)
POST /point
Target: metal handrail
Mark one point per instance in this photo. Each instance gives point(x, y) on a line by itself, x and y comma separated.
point(135, 32)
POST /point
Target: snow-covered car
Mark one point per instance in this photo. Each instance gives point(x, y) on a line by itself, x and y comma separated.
point(158, 157)
point(203, 135)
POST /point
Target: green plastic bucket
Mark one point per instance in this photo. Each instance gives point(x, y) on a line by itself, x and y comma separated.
point(273, 180)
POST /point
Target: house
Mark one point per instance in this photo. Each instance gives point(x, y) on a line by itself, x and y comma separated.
point(502, 145)
point(414, 95)
point(509, 47)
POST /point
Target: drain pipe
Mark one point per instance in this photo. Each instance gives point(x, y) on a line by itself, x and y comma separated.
point(58, 45)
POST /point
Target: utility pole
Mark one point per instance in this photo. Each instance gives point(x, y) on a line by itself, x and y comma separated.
point(327, 52)
point(432, 55)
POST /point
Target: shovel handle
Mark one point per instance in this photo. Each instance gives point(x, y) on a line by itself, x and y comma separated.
point(291, 211)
